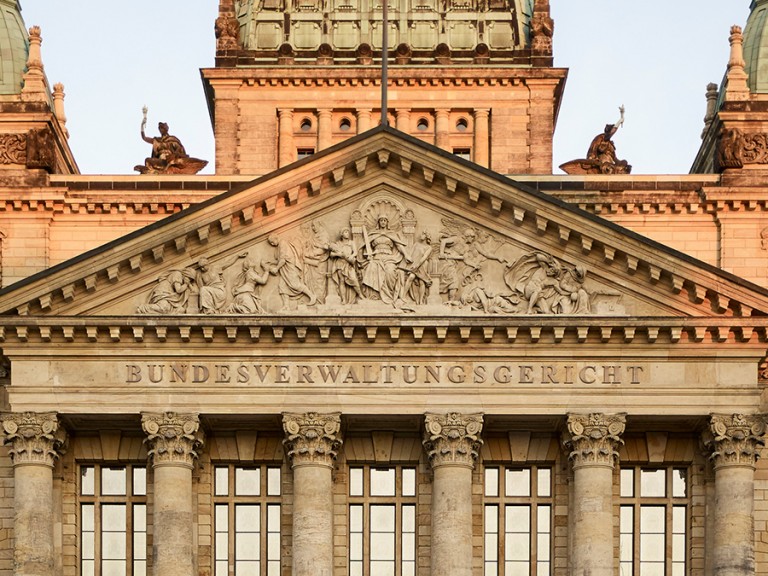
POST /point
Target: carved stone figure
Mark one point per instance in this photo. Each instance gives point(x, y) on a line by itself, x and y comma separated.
point(290, 267)
point(168, 154)
point(463, 254)
point(170, 294)
point(343, 270)
point(316, 241)
point(736, 149)
point(574, 299)
point(542, 29)
point(601, 156)
point(211, 287)
point(227, 30)
point(384, 249)
point(417, 281)
point(246, 291)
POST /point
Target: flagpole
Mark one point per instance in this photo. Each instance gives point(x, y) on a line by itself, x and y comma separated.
point(384, 62)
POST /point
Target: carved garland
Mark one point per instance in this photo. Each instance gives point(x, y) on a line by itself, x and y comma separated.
point(592, 439)
point(453, 438)
point(312, 438)
point(13, 148)
point(172, 438)
point(735, 439)
point(33, 438)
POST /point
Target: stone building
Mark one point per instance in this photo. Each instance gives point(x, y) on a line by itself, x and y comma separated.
point(370, 350)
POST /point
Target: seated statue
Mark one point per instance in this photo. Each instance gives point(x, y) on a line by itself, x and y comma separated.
point(601, 156)
point(168, 155)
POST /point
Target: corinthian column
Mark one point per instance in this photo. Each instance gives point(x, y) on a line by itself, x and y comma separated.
point(452, 442)
point(173, 440)
point(592, 440)
point(735, 442)
point(312, 441)
point(35, 442)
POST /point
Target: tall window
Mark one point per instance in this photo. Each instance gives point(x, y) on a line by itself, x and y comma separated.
point(247, 520)
point(113, 520)
point(382, 521)
point(518, 521)
point(654, 521)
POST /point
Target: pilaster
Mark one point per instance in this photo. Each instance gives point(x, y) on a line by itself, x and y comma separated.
point(481, 153)
point(286, 153)
point(442, 129)
point(324, 129)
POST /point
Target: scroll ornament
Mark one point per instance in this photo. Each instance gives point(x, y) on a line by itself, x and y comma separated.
point(735, 149)
point(13, 148)
point(453, 438)
point(312, 438)
point(33, 438)
point(172, 438)
point(735, 439)
point(593, 439)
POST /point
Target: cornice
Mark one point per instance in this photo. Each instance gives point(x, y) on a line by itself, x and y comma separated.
point(104, 332)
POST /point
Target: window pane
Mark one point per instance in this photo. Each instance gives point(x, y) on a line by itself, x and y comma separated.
point(113, 481)
point(355, 481)
point(651, 569)
point(679, 483)
point(491, 518)
point(627, 483)
point(517, 546)
point(409, 518)
point(221, 481)
point(627, 519)
point(273, 481)
point(113, 568)
point(382, 546)
point(113, 517)
point(382, 569)
point(139, 546)
point(247, 546)
point(273, 518)
point(653, 483)
point(273, 546)
point(544, 481)
point(382, 518)
point(409, 481)
point(139, 481)
point(113, 545)
point(247, 568)
point(87, 480)
point(543, 517)
point(87, 523)
point(356, 518)
point(518, 519)
point(140, 518)
point(652, 547)
point(222, 518)
point(678, 520)
point(356, 546)
point(382, 482)
point(247, 481)
point(542, 547)
point(652, 519)
point(88, 568)
point(491, 481)
point(222, 546)
point(518, 482)
point(247, 518)
point(491, 547)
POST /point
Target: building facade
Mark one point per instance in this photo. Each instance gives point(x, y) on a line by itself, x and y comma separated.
point(366, 350)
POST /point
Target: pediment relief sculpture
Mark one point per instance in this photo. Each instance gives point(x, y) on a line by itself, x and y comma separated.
point(381, 257)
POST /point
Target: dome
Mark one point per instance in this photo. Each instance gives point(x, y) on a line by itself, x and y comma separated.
point(14, 47)
point(756, 47)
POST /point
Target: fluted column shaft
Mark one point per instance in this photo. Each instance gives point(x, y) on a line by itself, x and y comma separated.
point(735, 441)
point(481, 155)
point(593, 440)
point(452, 443)
point(442, 129)
point(286, 148)
point(312, 441)
point(35, 441)
point(173, 440)
point(324, 129)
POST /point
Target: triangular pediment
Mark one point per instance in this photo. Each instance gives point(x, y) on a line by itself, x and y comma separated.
point(384, 226)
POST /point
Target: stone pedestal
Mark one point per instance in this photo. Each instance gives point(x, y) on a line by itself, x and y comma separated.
point(173, 441)
point(312, 441)
point(592, 441)
point(452, 443)
point(735, 442)
point(35, 441)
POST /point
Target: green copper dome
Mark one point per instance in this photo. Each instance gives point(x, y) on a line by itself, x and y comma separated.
point(14, 47)
point(756, 47)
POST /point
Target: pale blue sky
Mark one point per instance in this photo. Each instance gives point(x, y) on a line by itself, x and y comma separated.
point(654, 56)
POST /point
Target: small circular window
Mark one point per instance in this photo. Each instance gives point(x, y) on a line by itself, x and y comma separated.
point(306, 125)
point(422, 125)
point(345, 125)
point(462, 125)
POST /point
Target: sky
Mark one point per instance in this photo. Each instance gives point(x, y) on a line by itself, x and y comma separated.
point(654, 57)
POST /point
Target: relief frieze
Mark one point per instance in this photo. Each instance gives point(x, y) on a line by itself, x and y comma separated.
point(381, 257)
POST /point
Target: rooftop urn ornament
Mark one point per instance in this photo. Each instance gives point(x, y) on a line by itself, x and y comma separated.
point(168, 153)
point(601, 156)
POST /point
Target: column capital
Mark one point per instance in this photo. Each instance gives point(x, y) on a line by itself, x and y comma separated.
point(34, 438)
point(735, 439)
point(593, 439)
point(452, 439)
point(173, 438)
point(312, 438)
point(482, 112)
